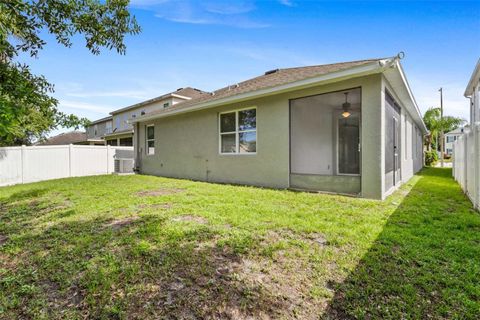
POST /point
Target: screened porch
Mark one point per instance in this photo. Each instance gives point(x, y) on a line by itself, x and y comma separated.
point(325, 144)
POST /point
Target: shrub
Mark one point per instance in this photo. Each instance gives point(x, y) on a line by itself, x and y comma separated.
point(431, 157)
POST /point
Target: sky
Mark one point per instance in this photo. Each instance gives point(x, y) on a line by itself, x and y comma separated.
point(211, 44)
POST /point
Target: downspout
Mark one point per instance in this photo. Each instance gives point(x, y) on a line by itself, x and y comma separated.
point(136, 150)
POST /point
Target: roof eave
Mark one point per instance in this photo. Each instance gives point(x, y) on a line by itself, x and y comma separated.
point(474, 78)
point(363, 70)
point(113, 134)
point(144, 103)
point(412, 98)
point(101, 120)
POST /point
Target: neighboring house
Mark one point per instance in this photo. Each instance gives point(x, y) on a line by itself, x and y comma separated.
point(350, 127)
point(450, 138)
point(73, 137)
point(115, 129)
point(466, 151)
point(98, 129)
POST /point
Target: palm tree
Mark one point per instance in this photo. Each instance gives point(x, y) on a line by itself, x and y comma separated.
point(435, 125)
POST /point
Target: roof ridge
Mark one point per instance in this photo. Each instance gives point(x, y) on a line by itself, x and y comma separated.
point(334, 63)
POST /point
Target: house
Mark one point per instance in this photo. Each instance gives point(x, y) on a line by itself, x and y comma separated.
point(72, 137)
point(351, 127)
point(116, 131)
point(472, 92)
point(450, 138)
point(98, 129)
point(466, 150)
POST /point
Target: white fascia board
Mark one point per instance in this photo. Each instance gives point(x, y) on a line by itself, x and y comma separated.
point(410, 94)
point(180, 96)
point(474, 80)
point(371, 68)
point(146, 103)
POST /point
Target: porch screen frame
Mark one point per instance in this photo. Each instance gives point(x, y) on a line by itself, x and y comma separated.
point(335, 141)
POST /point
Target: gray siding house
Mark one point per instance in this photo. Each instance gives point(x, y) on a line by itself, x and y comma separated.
point(115, 130)
point(350, 127)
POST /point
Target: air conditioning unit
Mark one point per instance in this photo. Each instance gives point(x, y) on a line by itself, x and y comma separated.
point(123, 166)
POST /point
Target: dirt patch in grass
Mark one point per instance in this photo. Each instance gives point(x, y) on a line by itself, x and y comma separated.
point(120, 223)
point(313, 238)
point(3, 239)
point(216, 283)
point(190, 218)
point(58, 299)
point(159, 192)
point(155, 206)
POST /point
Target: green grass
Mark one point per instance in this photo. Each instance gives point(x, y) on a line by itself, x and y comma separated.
point(147, 247)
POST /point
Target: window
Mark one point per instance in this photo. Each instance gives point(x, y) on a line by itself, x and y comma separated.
point(126, 142)
point(238, 132)
point(166, 104)
point(117, 123)
point(108, 127)
point(150, 138)
point(450, 139)
point(112, 142)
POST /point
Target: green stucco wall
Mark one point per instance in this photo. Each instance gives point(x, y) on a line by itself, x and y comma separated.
point(187, 145)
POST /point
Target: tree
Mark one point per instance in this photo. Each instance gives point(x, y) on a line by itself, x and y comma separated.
point(435, 125)
point(27, 111)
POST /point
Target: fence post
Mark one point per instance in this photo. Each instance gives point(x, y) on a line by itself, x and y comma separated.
point(23, 162)
point(108, 158)
point(70, 156)
point(476, 163)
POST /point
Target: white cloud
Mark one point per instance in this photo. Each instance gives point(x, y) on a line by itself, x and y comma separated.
point(212, 12)
point(85, 106)
point(146, 3)
point(228, 8)
point(287, 3)
point(268, 55)
point(133, 94)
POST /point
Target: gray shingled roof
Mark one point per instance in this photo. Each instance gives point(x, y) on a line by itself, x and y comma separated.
point(65, 138)
point(188, 92)
point(268, 80)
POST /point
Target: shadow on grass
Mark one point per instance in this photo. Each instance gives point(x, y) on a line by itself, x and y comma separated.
point(129, 268)
point(424, 264)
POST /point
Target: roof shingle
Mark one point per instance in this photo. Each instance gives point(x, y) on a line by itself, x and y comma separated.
point(268, 80)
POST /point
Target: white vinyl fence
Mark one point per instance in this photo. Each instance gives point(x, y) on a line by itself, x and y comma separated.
point(29, 164)
point(466, 163)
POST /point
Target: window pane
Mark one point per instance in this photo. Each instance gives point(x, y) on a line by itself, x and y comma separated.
point(228, 143)
point(150, 132)
point(126, 142)
point(150, 147)
point(227, 122)
point(247, 119)
point(248, 142)
point(348, 140)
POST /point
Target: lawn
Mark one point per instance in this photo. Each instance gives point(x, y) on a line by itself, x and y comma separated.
point(142, 247)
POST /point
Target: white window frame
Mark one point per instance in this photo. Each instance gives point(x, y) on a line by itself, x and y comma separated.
point(237, 133)
point(148, 140)
point(339, 116)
